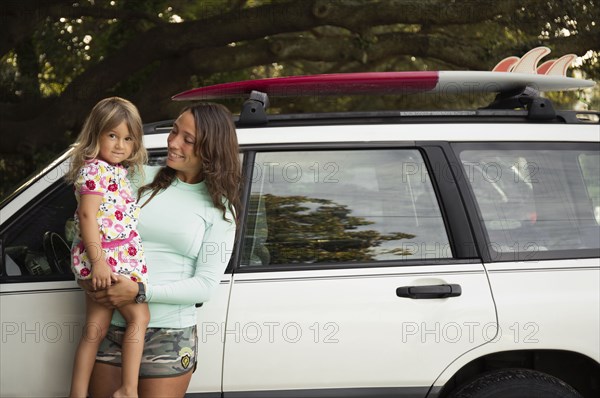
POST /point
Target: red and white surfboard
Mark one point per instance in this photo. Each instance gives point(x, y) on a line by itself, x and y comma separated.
point(381, 83)
point(509, 74)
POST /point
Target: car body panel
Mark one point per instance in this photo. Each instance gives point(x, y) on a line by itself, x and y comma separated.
point(332, 329)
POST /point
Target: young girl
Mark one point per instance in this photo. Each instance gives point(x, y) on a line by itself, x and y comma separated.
point(107, 243)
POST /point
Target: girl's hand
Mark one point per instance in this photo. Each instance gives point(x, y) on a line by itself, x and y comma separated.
point(121, 293)
point(102, 276)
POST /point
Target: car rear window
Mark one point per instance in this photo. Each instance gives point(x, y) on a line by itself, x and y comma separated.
point(536, 199)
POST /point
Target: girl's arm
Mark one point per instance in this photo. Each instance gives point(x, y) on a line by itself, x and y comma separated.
point(102, 274)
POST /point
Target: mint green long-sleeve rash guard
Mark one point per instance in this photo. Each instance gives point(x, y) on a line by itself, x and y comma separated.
point(187, 245)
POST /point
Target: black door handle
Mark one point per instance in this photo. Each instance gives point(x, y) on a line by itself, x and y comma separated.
point(429, 291)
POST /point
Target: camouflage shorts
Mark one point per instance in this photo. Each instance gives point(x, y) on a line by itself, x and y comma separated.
point(167, 352)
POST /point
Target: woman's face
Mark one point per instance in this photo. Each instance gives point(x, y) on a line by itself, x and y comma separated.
point(181, 154)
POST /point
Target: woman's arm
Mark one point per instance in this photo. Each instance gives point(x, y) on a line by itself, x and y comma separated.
point(211, 262)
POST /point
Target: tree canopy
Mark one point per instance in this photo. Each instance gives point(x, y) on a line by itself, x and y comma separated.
point(58, 57)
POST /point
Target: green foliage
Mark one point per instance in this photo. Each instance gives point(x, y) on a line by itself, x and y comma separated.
point(65, 50)
point(53, 43)
point(9, 73)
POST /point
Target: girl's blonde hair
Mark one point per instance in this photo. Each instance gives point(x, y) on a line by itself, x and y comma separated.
point(105, 116)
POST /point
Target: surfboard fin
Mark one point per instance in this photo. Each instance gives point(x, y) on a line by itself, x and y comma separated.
point(506, 64)
point(528, 63)
point(560, 66)
point(543, 68)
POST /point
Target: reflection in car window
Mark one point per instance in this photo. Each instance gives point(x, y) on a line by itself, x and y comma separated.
point(536, 200)
point(342, 206)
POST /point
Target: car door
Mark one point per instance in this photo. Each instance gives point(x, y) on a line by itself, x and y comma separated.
point(41, 307)
point(357, 274)
point(539, 206)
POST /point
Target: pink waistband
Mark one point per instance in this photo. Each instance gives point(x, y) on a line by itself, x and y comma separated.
point(111, 244)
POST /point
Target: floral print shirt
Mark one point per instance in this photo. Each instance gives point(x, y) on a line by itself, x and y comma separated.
point(118, 213)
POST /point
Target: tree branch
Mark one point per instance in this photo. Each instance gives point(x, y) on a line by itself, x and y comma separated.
point(20, 19)
point(102, 13)
point(265, 33)
point(576, 44)
point(334, 49)
point(173, 75)
point(166, 41)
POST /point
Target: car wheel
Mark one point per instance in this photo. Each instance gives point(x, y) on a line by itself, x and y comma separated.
point(516, 383)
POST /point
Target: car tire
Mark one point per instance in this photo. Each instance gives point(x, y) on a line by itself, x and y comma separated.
point(516, 383)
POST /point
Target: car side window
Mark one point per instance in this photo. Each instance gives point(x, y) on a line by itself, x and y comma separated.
point(342, 206)
point(37, 241)
point(536, 200)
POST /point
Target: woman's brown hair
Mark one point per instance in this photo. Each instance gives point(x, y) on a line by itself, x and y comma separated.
point(217, 146)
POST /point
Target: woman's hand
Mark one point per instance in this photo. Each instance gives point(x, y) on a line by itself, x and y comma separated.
point(122, 292)
point(86, 284)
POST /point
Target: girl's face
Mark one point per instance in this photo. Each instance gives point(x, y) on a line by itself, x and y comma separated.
point(116, 145)
point(181, 156)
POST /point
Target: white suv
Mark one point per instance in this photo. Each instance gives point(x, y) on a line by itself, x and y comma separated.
point(382, 254)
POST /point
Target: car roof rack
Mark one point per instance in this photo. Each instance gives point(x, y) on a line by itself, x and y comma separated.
point(528, 97)
point(254, 109)
point(482, 115)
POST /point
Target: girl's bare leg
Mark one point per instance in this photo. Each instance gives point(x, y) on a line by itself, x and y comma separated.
point(97, 321)
point(137, 317)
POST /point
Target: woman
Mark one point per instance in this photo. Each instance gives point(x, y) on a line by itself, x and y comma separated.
point(187, 221)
